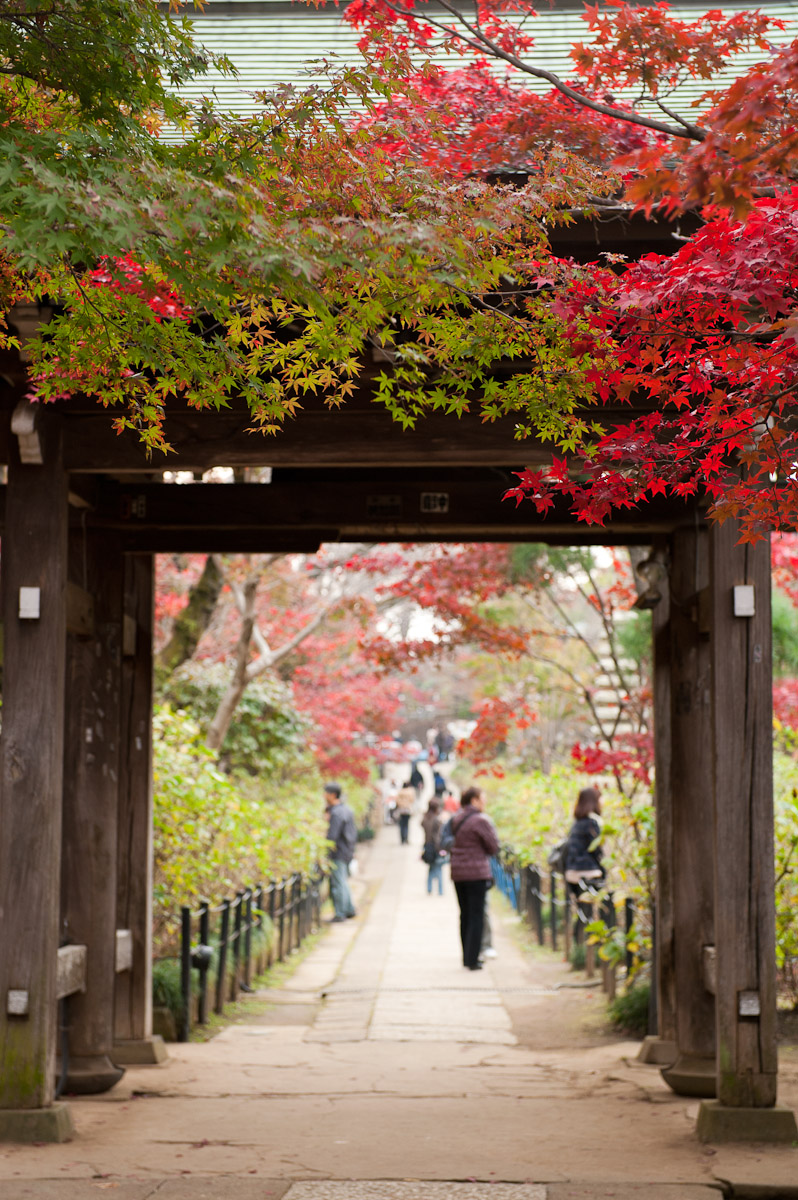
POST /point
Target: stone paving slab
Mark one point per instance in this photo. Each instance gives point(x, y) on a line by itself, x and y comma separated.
point(337, 1092)
point(71, 1189)
point(193, 1187)
point(236, 1187)
point(353, 1189)
point(633, 1191)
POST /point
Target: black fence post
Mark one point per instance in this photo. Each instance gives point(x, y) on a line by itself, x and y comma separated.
point(204, 936)
point(292, 915)
point(535, 884)
point(185, 973)
point(304, 897)
point(260, 960)
point(281, 946)
point(248, 936)
point(553, 911)
point(237, 928)
point(586, 908)
point(653, 995)
point(317, 899)
point(221, 965)
point(272, 918)
point(629, 912)
point(300, 910)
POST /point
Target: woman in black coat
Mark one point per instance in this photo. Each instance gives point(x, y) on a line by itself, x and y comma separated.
point(583, 870)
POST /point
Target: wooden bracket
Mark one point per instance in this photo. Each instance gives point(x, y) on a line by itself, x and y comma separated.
point(23, 426)
point(71, 974)
point(124, 951)
point(28, 319)
point(709, 968)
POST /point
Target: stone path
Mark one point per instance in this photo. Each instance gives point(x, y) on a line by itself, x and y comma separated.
point(403, 981)
point(384, 1071)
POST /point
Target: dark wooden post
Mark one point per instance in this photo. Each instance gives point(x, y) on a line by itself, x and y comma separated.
point(692, 889)
point(660, 1048)
point(134, 1041)
point(34, 557)
point(91, 780)
point(744, 883)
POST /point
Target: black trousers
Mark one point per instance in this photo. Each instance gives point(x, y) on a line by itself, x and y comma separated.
point(471, 898)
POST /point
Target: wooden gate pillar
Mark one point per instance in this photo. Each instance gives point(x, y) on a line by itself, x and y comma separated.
point(91, 781)
point(661, 1048)
point(133, 1038)
point(693, 1071)
point(743, 831)
point(34, 561)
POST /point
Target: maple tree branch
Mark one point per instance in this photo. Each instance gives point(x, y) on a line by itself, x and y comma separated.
point(586, 694)
point(265, 663)
point(239, 595)
point(674, 116)
point(785, 871)
point(217, 730)
point(609, 630)
point(578, 636)
point(480, 41)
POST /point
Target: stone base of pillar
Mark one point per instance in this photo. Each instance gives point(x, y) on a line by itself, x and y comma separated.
point(27, 1125)
point(719, 1123)
point(692, 1075)
point(88, 1075)
point(657, 1051)
point(140, 1052)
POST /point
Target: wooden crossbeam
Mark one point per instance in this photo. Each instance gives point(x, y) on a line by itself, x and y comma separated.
point(298, 512)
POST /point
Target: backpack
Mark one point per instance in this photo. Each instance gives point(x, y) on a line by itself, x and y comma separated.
point(447, 833)
point(558, 856)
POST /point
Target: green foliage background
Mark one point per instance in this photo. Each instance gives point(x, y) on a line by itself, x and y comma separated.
point(267, 735)
point(215, 832)
point(533, 812)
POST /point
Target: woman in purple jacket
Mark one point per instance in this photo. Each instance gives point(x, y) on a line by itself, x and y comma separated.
point(475, 843)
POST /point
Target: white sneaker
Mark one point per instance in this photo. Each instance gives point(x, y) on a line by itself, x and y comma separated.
point(490, 953)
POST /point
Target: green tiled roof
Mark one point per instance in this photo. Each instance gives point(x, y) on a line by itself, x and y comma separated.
point(273, 42)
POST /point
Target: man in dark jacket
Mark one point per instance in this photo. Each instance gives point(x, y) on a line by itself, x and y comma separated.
point(475, 843)
point(342, 834)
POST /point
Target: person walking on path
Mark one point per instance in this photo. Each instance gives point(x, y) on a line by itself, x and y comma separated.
point(342, 834)
point(433, 856)
point(583, 869)
point(404, 807)
point(475, 843)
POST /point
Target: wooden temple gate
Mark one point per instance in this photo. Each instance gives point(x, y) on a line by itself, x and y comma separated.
point(84, 513)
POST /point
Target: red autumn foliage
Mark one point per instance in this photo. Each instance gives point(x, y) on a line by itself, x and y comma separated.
point(497, 717)
point(631, 756)
point(702, 344)
point(785, 703)
point(125, 274)
point(705, 342)
point(351, 708)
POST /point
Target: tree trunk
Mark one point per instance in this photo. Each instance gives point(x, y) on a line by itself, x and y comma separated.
point(229, 701)
point(192, 622)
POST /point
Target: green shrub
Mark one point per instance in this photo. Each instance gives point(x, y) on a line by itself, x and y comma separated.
point(578, 956)
point(629, 1011)
point(215, 833)
point(266, 734)
point(166, 983)
point(166, 988)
